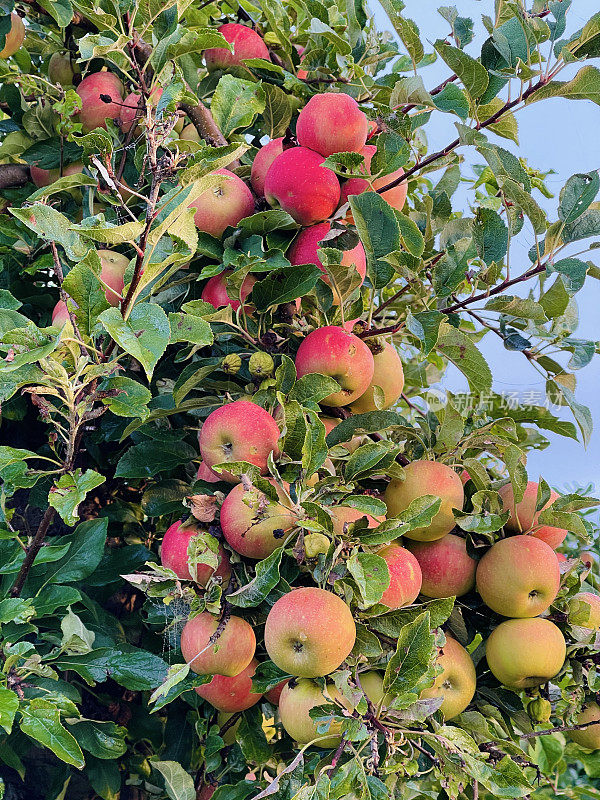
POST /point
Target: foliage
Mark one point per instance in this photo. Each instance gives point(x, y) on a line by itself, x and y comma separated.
point(99, 417)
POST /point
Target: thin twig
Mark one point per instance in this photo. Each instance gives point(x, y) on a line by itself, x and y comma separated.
point(32, 551)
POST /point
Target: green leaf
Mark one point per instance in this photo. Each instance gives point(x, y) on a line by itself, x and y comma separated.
point(82, 284)
point(371, 574)
point(513, 306)
point(70, 490)
point(379, 231)
point(412, 238)
point(41, 722)
point(371, 422)
point(525, 201)
point(130, 398)
point(189, 328)
point(9, 704)
point(277, 113)
point(369, 457)
point(313, 387)
point(265, 580)
point(84, 555)
point(584, 86)
point(458, 348)
point(452, 99)
point(405, 28)
point(576, 195)
point(148, 458)
point(425, 325)
point(51, 225)
point(490, 235)
point(104, 777)
point(236, 103)
point(284, 285)
point(471, 73)
point(412, 667)
point(103, 740)
point(179, 784)
point(144, 335)
point(61, 10)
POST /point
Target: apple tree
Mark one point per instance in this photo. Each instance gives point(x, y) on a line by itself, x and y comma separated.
point(249, 549)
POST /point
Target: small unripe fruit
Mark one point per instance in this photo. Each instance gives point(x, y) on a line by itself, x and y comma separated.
point(316, 544)
point(261, 364)
point(539, 710)
point(231, 364)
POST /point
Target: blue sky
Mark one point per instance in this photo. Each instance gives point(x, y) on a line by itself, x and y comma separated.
point(554, 134)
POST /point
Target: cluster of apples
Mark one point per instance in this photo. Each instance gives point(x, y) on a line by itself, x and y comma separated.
point(309, 632)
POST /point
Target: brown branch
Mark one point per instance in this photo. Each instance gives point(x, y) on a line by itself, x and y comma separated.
point(453, 145)
point(558, 729)
point(205, 125)
point(475, 298)
point(32, 551)
point(13, 175)
point(336, 756)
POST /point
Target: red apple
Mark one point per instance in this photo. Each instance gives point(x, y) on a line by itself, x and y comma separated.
point(239, 431)
point(94, 109)
point(405, 576)
point(447, 568)
point(14, 38)
point(297, 183)
point(223, 205)
point(262, 161)
point(341, 355)
point(304, 250)
point(226, 654)
point(332, 122)
point(231, 694)
point(246, 44)
point(215, 290)
point(174, 555)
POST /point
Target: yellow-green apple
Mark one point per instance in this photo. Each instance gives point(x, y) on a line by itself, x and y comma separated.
point(295, 703)
point(584, 610)
point(297, 182)
point(112, 273)
point(101, 98)
point(223, 205)
point(239, 431)
point(405, 576)
point(427, 478)
point(456, 682)
point(522, 653)
point(332, 122)
point(316, 544)
point(304, 250)
point(60, 314)
point(61, 69)
point(372, 685)
point(174, 552)
point(231, 694)
point(44, 177)
point(309, 632)
point(253, 525)
point(447, 568)
point(388, 374)
point(588, 737)
point(246, 44)
point(215, 290)
point(518, 576)
point(524, 517)
point(344, 515)
point(132, 109)
point(15, 37)
point(226, 654)
point(189, 133)
point(262, 161)
point(230, 735)
point(396, 197)
point(343, 356)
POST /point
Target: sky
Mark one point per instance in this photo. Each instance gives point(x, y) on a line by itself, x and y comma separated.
point(558, 134)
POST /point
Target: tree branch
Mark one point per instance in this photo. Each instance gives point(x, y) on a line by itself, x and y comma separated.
point(453, 145)
point(32, 551)
point(559, 729)
point(475, 298)
point(205, 124)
